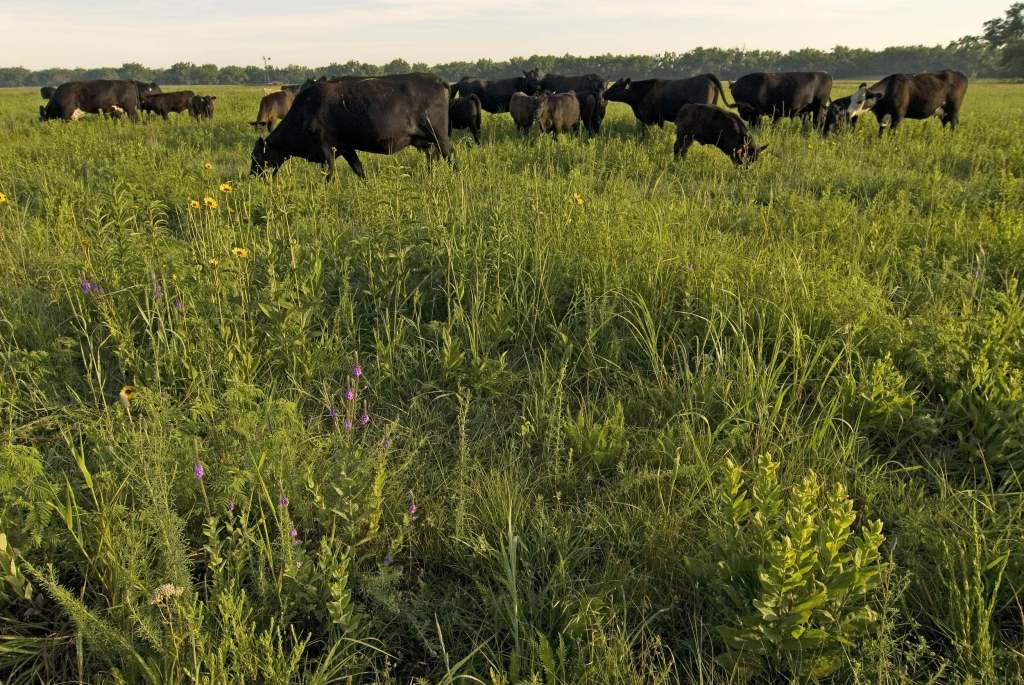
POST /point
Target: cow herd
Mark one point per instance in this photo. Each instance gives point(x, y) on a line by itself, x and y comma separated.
point(322, 119)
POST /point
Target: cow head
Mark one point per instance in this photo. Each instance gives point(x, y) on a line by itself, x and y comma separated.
point(531, 81)
point(600, 107)
point(201, 106)
point(619, 91)
point(265, 158)
point(747, 153)
point(844, 110)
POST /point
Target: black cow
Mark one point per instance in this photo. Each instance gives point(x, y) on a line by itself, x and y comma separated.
point(578, 84)
point(464, 113)
point(495, 95)
point(846, 110)
point(655, 101)
point(783, 94)
point(558, 113)
point(147, 88)
point(342, 116)
point(47, 91)
point(709, 125)
point(165, 103)
point(592, 110)
point(75, 99)
point(919, 96)
point(201, 106)
point(273, 108)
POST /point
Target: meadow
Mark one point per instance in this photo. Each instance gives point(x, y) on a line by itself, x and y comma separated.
point(613, 418)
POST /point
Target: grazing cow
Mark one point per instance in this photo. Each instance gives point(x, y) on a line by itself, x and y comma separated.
point(846, 110)
point(655, 101)
point(273, 108)
point(343, 116)
point(464, 113)
point(784, 94)
point(592, 109)
point(919, 96)
point(523, 109)
point(579, 84)
point(75, 99)
point(558, 113)
point(495, 95)
point(709, 125)
point(201, 106)
point(47, 91)
point(165, 103)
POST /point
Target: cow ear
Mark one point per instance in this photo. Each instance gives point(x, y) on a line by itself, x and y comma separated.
point(213, 97)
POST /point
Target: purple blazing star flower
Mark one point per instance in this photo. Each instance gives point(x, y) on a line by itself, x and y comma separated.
point(364, 419)
point(357, 371)
point(347, 425)
point(86, 286)
point(385, 444)
point(231, 507)
point(387, 559)
point(178, 304)
point(412, 509)
point(294, 535)
point(198, 471)
point(157, 291)
point(283, 501)
point(349, 395)
point(332, 414)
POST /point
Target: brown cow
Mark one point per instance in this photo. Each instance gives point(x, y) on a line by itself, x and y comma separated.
point(273, 108)
point(559, 113)
point(523, 109)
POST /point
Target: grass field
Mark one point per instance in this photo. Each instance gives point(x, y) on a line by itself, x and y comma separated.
point(619, 419)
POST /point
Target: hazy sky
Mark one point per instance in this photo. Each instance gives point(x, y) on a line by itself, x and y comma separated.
point(45, 33)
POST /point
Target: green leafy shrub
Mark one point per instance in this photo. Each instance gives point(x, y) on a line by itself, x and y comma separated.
point(601, 443)
point(793, 572)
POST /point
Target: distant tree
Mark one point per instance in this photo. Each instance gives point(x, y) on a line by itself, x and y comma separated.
point(1003, 30)
point(231, 75)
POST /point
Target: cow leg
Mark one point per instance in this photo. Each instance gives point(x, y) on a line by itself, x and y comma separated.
point(350, 156)
point(475, 130)
point(681, 147)
point(951, 117)
point(328, 153)
point(896, 119)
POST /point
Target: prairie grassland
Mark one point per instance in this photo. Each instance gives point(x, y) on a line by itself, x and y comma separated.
point(619, 419)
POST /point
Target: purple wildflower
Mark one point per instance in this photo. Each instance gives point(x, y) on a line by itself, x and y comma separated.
point(364, 419)
point(198, 471)
point(412, 509)
point(294, 535)
point(332, 414)
point(385, 444)
point(231, 506)
point(387, 559)
point(976, 274)
point(178, 304)
point(86, 286)
point(347, 425)
point(349, 394)
point(157, 291)
point(283, 501)
point(357, 371)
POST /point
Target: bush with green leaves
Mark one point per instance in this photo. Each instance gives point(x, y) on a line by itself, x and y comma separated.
point(797, 575)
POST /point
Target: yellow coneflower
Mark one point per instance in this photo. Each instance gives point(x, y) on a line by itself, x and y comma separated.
point(226, 188)
point(240, 252)
point(126, 395)
point(165, 592)
point(576, 199)
point(193, 204)
point(210, 202)
point(208, 166)
point(214, 262)
point(3, 198)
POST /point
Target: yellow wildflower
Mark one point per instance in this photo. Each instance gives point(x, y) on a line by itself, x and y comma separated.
point(576, 199)
point(208, 166)
point(3, 198)
point(214, 262)
point(210, 202)
point(125, 396)
point(240, 252)
point(226, 188)
point(193, 204)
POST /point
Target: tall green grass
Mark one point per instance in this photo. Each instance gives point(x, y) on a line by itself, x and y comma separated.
point(627, 420)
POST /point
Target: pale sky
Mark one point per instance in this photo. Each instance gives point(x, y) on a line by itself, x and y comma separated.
point(92, 33)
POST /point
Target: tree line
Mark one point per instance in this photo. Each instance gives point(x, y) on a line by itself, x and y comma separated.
point(997, 53)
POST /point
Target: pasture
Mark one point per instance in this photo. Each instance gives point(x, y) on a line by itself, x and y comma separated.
point(619, 419)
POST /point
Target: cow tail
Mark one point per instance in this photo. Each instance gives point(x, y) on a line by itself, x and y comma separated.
point(721, 91)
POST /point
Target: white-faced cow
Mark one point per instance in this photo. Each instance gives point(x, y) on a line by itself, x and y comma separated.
point(655, 101)
point(495, 94)
point(709, 125)
point(919, 96)
point(342, 116)
point(783, 94)
point(75, 99)
point(846, 110)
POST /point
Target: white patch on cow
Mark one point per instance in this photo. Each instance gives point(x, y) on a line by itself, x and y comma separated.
point(77, 114)
point(859, 102)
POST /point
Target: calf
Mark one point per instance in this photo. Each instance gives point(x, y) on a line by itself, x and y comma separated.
point(165, 103)
point(464, 113)
point(523, 109)
point(273, 108)
point(558, 113)
point(592, 109)
point(201, 106)
point(47, 91)
point(709, 125)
